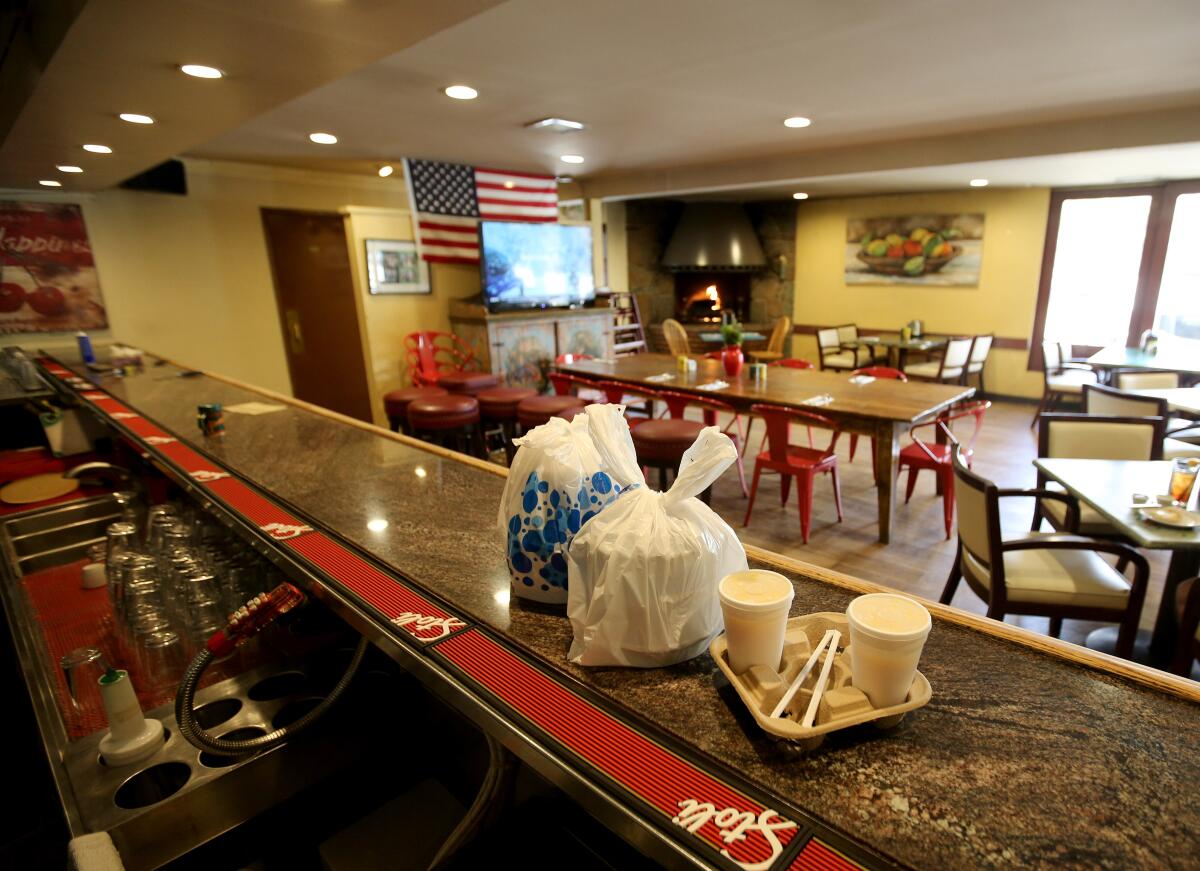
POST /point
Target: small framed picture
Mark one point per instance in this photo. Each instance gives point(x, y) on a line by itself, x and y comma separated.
point(394, 267)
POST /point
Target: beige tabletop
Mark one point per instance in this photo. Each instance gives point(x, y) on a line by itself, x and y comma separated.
point(1108, 487)
point(1182, 400)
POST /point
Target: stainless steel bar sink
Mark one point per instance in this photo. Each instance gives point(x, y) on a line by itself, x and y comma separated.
point(180, 798)
point(60, 534)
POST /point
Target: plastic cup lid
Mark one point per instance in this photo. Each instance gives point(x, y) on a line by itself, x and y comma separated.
point(889, 616)
point(755, 590)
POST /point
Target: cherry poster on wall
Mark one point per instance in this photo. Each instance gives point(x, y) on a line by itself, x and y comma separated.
point(48, 280)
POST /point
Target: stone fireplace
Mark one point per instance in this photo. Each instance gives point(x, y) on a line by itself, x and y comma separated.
point(757, 296)
point(708, 297)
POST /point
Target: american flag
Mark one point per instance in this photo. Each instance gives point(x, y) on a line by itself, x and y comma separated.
point(450, 199)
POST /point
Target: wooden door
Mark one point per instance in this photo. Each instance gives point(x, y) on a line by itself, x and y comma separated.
point(314, 290)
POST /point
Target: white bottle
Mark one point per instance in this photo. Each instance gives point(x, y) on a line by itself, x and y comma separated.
point(131, 736)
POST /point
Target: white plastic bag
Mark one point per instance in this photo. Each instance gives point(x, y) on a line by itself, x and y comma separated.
point(644, 573)
point(557, 481)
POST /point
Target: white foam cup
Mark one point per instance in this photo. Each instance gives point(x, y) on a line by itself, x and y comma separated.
point(755, 605)
point(887, 634)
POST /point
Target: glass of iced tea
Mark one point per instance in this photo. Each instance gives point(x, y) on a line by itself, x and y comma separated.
point(1183, 478)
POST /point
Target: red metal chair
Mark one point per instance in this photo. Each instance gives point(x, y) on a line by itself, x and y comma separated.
point(677, 405)
point(937, 457)
point(568, 359)
point(873, 372)
point(795, 461)
point(634, 398)
point(786, 363)
point(566, 384)
point(429, 353)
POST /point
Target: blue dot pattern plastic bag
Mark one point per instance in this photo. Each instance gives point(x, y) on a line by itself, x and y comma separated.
point(555, 485)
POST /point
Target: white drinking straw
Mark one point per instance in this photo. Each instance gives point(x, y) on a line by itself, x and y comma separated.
point(808, 666)
point(819, 687)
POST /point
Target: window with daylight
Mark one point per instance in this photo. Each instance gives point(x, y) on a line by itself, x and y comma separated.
point(1117, 262)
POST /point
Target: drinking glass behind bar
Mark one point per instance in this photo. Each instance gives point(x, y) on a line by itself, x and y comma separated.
point(1183, 478)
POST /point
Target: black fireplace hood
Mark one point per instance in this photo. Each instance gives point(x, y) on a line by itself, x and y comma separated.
point(713, 237)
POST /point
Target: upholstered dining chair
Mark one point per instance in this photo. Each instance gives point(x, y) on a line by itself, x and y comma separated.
point(949, 368)
point(848, 336)
point(1060, 378)
point(833, 355)
point(776, 343)
point(1052, 575)
point(1187, 612)
point(981, 346)
point(1091, 437)
point(677, 338)
point(1136, 379)
point(1100, 399)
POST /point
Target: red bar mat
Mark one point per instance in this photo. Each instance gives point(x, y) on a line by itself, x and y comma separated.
point(70, 617)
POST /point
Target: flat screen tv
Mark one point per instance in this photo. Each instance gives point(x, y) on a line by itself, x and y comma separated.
point(528, 265)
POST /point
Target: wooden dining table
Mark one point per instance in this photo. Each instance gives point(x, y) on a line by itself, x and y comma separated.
point(1108, 487)
point(898, 347)
point(881, 408)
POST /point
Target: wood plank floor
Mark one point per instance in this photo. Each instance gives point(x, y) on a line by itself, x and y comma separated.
point(918, 558)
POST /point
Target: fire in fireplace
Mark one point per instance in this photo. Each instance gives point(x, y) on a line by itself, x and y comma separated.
point(706, 297)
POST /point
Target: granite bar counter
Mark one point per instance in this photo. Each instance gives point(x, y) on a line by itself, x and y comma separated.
point(1031, 753)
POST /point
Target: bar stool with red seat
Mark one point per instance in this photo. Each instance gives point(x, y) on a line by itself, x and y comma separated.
point(661, 443)
point(885, 372)
point(451, 420)
point(537, 410)
point(498, 406)
point(467, 383)
point(395, 404)
point(923, 455)
point(789, 460)
point(677, 405)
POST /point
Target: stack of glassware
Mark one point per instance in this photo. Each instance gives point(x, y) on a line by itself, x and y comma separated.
point(174, 576)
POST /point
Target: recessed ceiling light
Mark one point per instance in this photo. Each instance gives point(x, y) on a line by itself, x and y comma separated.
point(50, 183)
point(323, 138)
point(572, 158)
point(557, 125)
point(461, 92)
point(386, 170)
point(66, 167)
point(98, 149)
point(799, 195)
point(200, 71)
point(979, 182)
point(135, 118)
point(797, 121)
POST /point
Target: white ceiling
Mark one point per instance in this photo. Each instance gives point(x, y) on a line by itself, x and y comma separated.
point(679, 82)
point(1116, 166)
point(672, 90)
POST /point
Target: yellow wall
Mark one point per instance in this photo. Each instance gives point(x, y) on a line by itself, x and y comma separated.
point(189, 276)
point(1003, 303)
point(389, 317)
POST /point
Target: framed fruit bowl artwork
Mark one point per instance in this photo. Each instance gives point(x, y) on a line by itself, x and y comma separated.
point(938, 250)
point(48, 280)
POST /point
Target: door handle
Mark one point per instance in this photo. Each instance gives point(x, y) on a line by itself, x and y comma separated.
point(295, 336)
